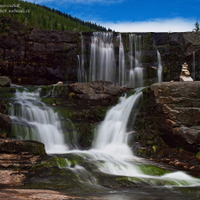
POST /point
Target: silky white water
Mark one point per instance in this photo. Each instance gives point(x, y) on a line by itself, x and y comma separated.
point(82, 75)
point(160, 68)
point(110, 152)
point(34, 120)
point(102, 59)
point(128, 72)
point(122, 67)
point(136, 72)
point(112, 155)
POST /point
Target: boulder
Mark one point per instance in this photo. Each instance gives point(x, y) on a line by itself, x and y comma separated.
point(5, 81)
point(95, 93)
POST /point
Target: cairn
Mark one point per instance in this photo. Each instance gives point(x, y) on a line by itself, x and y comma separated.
point(185, 74)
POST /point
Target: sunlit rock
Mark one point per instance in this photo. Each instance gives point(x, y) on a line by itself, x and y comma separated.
point(185, 74)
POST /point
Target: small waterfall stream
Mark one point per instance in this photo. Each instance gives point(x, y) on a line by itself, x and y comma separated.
point(33, 120)
point(82, 75)
point(160, 68)
point(102, 60)
point(122, 69)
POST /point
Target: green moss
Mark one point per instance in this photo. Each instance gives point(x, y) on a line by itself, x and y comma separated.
point(61, 161)
point(86, 133)
point(152, 170)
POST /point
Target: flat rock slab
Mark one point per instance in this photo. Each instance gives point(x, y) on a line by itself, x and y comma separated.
point(96, 92)
point(29, 194)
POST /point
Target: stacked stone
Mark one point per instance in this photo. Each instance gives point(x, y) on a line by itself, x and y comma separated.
point(185, 74)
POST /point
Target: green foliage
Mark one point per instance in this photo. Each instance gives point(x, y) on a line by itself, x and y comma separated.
point(42, 17)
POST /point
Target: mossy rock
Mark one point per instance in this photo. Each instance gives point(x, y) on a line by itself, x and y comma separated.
point(16, 146)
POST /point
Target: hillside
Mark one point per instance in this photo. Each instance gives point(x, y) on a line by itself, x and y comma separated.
point(42, 17)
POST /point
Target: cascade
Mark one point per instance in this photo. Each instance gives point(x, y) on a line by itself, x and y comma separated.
point(136, 73)
point(122, 69)
point(160, 68)
point(110, 153)
point(102, 59)
point(82, 76)
point(33, 120)
point(112, 134)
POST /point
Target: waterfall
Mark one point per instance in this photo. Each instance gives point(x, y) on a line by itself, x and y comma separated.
point(33, 120)
point(82, 75)
point(112, 135)
point(102, 59)
point(122, 69)
point(136, 73)
point(111, 147)
point(160, 68)
point(193, 66)
point(110, 154)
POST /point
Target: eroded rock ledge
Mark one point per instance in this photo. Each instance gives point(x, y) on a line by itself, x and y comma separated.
point(178, 105)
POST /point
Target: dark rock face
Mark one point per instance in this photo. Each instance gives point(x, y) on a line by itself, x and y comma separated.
point(178, 106)
point(30, 56)
point(102, 93)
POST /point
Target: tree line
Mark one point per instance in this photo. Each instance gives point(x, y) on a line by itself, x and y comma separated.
point(42, 17)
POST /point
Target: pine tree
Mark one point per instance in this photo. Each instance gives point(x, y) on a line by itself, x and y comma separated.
point(196, 26)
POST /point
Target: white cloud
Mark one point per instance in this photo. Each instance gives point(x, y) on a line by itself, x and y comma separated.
point(156, 25)
point(76, 1)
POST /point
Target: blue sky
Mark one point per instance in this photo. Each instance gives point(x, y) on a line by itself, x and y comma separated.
point(134, 15)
